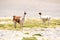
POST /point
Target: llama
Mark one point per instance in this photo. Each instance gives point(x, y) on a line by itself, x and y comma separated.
point(44, 18)
point(17, 19)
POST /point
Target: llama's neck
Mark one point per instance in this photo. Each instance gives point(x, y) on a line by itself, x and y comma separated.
point(23, 18)
point(40, 16)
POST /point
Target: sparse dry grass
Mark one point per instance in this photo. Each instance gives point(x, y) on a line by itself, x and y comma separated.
point(29, 23)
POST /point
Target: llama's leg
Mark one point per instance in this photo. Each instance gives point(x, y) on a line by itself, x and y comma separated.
point(48, 22)
point(21, 25)
point(15, 24)
point(44, 22)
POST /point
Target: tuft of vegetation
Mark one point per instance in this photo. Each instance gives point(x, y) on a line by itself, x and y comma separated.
point(37, 35)
point(2, 25)
point(26, 33)
point(29, 38)
point(45, 39)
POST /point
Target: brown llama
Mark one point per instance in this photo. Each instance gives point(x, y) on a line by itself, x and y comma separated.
point(17, 19)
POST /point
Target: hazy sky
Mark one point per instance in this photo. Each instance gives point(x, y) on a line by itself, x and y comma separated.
point(32, 7)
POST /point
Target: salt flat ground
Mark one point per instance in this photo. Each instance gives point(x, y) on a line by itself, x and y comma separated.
point(47, 34)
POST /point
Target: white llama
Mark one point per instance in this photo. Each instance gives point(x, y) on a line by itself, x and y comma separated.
point(44, 18)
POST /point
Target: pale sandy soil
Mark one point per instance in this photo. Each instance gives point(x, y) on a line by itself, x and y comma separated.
point(47, 34)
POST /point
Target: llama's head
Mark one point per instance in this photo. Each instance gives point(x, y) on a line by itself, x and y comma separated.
point(40, 13)
point(24, 13)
